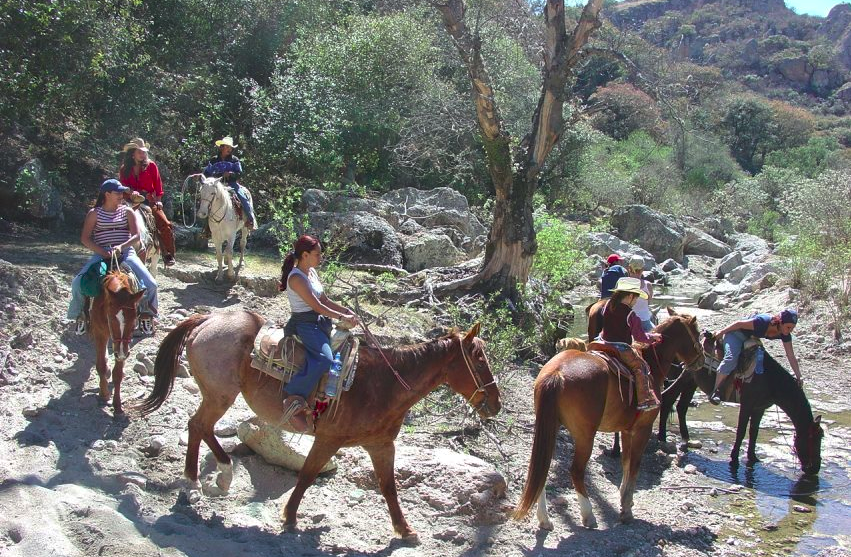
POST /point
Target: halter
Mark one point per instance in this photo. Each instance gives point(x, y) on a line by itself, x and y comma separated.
point(698, 348)
point(210, 202)
point(481, 386)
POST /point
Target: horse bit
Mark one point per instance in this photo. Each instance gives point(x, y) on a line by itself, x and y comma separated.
point(481, 386)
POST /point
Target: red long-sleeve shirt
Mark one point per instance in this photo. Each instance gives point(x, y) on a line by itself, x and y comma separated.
point(148, 182)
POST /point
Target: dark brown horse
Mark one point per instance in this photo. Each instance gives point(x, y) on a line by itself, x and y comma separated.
point(774, 386)
point(577, 390)
point(370, 415)
point(113, 318)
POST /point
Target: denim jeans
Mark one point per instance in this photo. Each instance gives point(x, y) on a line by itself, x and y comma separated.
point(146, 281)
point(733, 343)
point(318, 359)
point(243, 199)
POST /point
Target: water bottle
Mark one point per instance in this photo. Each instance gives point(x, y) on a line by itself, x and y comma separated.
point(760, 356)
point(334, 376)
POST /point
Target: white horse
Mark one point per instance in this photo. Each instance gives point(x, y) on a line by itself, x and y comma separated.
point(215, 204)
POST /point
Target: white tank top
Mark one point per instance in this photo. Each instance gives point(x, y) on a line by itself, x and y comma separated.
point(297, 304)
point(642, 306)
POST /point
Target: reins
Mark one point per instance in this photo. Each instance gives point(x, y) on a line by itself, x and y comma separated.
point(481, 386)
point(372, 340)
point(216, 195)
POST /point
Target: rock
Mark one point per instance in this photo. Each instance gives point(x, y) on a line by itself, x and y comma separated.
point(844, 93)
point(690, 469)
point(697, 242)
point(362, 237)
point(766, 281)
point(30, 411)
point(191, 387)
point(189, 237)
point(140, 368)
point(728, 263)
point(694, 444)
point(429, 250)
point(182, 370)
point(659, 234)
point(753, 248)
point(794, 68)
point(264, 286)
point(226, 427)
point(277, 446)
point(708, 300)
point(355, 496)
point(603, 244)
point(154, 446)
point(438, 207)
point(669, 265)
point(801, 509)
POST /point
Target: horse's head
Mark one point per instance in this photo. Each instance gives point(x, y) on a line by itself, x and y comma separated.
point(470, 375)
point(120, 307)
point(207, 193)
point(808, 447)
point(712, 345)
point(684, 335)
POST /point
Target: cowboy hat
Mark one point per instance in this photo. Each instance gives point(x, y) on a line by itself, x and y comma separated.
point(630, 285)
point(636, 262)
point(137, 143)
point(226, 140)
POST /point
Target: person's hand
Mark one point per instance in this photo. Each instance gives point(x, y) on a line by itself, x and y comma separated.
point(351, 320)
point(655, 337)
point(159, 204)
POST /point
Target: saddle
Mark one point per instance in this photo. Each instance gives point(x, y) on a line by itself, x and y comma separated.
point(281, 356)
point(237, 205)
point(731, 389)
point(612, 358)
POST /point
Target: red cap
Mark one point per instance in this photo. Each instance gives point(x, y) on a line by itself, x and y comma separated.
point(614, 258)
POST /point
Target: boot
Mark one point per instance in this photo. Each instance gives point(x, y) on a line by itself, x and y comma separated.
point(295, 413)
point(715, 397)
point(644, 391)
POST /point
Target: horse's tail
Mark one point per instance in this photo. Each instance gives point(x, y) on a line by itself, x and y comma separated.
point(165, 366)
point(547, 424)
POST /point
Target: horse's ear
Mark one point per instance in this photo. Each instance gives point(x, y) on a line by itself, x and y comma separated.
point(671, 311)
point(137, 296)
point(473, 332)
point(817, 420)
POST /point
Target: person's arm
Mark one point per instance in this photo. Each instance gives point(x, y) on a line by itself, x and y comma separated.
point(158, 185)
point(86, 235)
point(300, 286)
point(235, 171)
point(793, 361)
point(134, 232)
point(744, 324)
point(345, 313)
point(638, 331)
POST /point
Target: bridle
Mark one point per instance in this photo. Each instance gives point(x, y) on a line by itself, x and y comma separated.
point(209, 202)
point(698, 348)
point(127, 332)
point(481, 386)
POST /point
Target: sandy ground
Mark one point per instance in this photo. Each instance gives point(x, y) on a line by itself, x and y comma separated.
point(74, 480)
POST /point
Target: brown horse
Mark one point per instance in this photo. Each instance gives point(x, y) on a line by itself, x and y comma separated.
point(113, 317)
point(370, 414)
point(577, 390)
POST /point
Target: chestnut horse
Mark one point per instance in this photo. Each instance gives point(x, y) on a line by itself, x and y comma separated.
point(370, 414)
point(577, 390)
point(113, 317)
point(774, 386)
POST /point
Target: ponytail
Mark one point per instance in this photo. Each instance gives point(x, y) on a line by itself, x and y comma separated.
point(304, 244)
point(286, 269)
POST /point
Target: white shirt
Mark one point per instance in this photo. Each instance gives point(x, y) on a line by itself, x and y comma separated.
point(297, 304)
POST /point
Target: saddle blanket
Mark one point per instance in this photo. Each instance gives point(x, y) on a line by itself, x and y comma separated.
point(731, 390)
point(280, 356)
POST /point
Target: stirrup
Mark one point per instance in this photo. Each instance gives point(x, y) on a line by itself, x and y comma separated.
point(715, 397)
point(293, 407)
point(80, 327)
point(647, 405)
point(146, 325)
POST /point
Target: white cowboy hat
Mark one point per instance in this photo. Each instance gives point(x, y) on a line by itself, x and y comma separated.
point(137, 143)
point(631, 285)
point(226, 140)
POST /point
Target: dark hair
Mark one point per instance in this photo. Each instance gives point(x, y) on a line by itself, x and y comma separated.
point(304, 244)
point(100, 199)
point(618, 296)
point(127, 163)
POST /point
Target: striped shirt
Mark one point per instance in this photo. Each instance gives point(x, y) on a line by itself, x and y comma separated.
point(111, 227)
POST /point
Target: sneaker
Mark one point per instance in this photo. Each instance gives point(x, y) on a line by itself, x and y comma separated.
point(146, 325)
point(80, 327)
point(715, 398)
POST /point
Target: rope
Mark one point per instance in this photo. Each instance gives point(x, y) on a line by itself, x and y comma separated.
point(183, 201)
point(372, 340)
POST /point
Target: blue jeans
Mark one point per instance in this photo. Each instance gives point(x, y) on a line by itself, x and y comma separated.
point(733, 343)
point(146, 281)
point(243, 199)
point(317, 360)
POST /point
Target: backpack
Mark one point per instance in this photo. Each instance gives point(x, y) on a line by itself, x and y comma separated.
point(92, 279)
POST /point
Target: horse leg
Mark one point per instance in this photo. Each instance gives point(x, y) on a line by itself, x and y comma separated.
point(583, 445)
point(744, 416)
point(117, 378)
point(101, 366)
point(682, 410)
point(201, 428)
point(243, 240)
point(229, 254)
point(217, 241)
point(543, 517)
point(319, 454)
point(756, 418)
point(383, 456)
point(634, 442)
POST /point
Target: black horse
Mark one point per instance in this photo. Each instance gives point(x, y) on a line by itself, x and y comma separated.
point(774, 386)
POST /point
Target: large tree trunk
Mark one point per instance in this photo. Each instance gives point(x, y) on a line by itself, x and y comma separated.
point(511, 243)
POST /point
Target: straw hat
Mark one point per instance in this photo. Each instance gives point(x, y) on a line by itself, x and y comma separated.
point(137, 143)
point(226, 140)
point(631, 285)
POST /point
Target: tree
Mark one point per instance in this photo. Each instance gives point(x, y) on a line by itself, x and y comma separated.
point(515, 171)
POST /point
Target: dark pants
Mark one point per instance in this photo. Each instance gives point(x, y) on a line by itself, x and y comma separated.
point(247, 209)
point(315, 333)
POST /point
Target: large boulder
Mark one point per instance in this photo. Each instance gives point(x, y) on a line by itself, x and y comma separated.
point(844, 93)
point(440, 207)
point(277, 446)
point(603, 244)
point(730, 262)
point(360, 236)
point(753, 248)
point(659, 234)
point(427, 250)
point(698, 242)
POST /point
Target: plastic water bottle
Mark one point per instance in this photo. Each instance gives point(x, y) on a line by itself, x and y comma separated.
point(760, 357)
point(334, 376)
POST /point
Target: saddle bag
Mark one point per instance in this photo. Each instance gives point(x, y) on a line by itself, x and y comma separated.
point(92, 280)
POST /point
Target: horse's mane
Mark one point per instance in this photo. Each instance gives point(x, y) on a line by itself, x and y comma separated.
point(409, 356)
point(782, 380)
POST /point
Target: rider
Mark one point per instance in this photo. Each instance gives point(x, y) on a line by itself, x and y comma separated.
point(642, 305)
point(141, 174)
point(110, 227)
point(620, 326)
point(760, 325)
point(312, 312)
point(226, 166)
point(612, 272)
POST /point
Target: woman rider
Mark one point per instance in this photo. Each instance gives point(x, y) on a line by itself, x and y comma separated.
point(312, 312)
point(761, 325)
point(109, 227)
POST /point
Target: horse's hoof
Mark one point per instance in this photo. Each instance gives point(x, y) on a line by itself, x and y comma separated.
point(752, 461)
point(591, 523)
point(410, 537)
point(546, 525)
point(626, 517)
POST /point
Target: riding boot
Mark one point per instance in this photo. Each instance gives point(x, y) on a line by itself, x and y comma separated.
point(166, 236)
point(295, 413)
point(644, 389)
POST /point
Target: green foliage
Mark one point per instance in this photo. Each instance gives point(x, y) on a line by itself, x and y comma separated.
point(765, 225)
point(558, 261)
point(821, 208)
point(809, 160)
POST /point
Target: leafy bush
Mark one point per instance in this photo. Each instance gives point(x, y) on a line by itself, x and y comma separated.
point(809, 160)
point(821, 208)
point(559, 261)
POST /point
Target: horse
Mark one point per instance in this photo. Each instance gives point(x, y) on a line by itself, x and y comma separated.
point(149, 236)
point(370, 414)
point(774, 386)
point(577, 390)
point(216, 205)
point(113, 317)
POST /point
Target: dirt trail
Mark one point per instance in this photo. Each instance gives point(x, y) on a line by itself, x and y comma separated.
point(85, 476)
